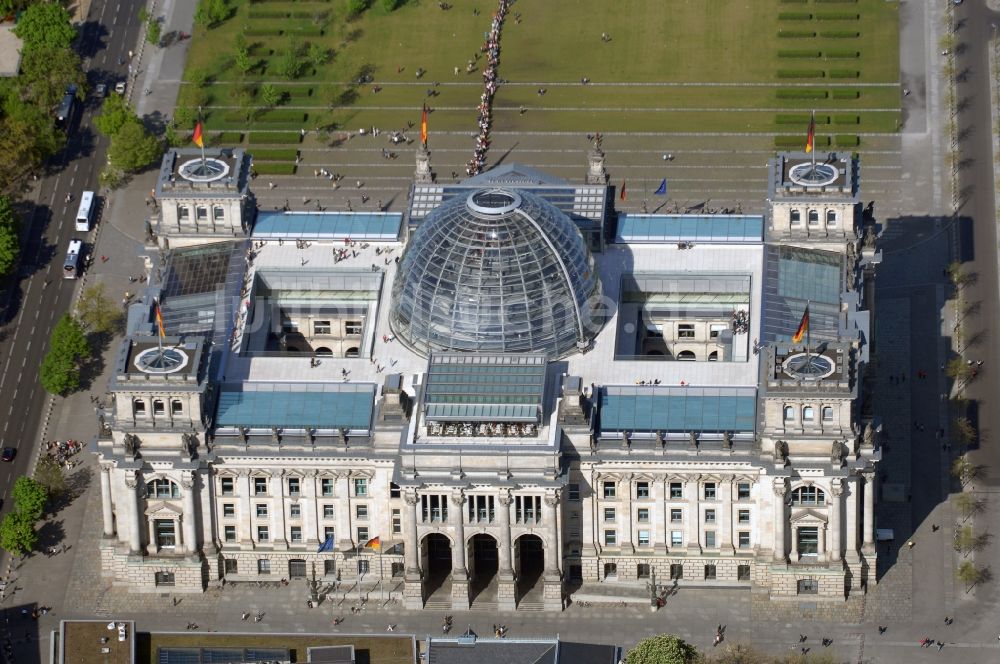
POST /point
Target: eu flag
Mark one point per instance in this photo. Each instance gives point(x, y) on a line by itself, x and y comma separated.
point(662, 191)
point(327, 545)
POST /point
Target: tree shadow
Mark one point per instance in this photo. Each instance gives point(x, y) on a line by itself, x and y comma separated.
point(51, 534)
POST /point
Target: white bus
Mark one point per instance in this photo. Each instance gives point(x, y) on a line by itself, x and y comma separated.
point(86, 211)
point(71, 266)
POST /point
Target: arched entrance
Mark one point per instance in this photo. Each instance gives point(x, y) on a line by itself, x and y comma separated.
point(484, 562)
point(436, 554)
point(530, 554)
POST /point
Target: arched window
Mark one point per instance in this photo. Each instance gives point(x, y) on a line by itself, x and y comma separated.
point(831, 217)
point(202, 213)
point(807, 413)
point(138, 408)
point(713, 356)
point(686, 356)
point(813, 217)
point(796, 217)
point(352, 352)
point(183, 213)
point(163, 489)
point(158, 407)
point(176, 407)
point(323, 350)
point(827, 414)
point(808, 495)
point(218, 213)
point(789, 414)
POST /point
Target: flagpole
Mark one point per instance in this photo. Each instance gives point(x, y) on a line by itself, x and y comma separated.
point(813, 124)
point(808, 324)
point(381, 577)
point(202, 140)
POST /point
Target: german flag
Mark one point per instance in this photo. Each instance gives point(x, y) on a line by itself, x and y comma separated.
point(198, 136)
point(159, 319)
point(803, 327)
point(621, 194)
point(811, 136)
point(423, 126)
point(374, 543)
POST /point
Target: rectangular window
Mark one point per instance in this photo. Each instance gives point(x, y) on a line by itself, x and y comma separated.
point(676, 490)
point(642, 515)
point(263, 566)
point(743, 572)
point(808, 586)
point(290, 326)
point(228, 510)
point(394, 490)
point(676, 515)
point(329, 567)
point(709, 516)
point(481, 509)
point(352, 327)
point(293, 486)
point(743, 491)
point(329, 533)
point(710, 572)
point(361, 512)
point(263, 534)
point(218, 213)
point(643, 538)
point(158, 407)
point(676, 538)
point(715, 329)
point(609, 514)
point(743, 537)
point(434, 508)
point(676, 571)
point(528, 509)
point(573, 492)
point(296, 534)
point(610, 538)
point(230, 533)
point(743, 516)
point(327, 511)
point(183, 213)
point(397, 522)
point(808, 541)
point(709, 490)
point(202, 213)
point(231, 566)
point(139, 408)
point(685, 331)
point(709, 539)
point(163, 578)
point(260, 486)
point(362, 533)
point(176, 407)
point(363, 566)
point(326, 486)
point(360, 487)
point(294, 511)
point(321, 327)
point(261, 510)
point(610, 489)
point(642, 571)
point(642, 490)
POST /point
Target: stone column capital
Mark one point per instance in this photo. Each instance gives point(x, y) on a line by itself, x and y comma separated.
point(458, 498)
point(131, 479)
point(505, 498)
point(837, 487)
point(411, 497)
point(780, 486)
point(187, 480)
point(553, 499)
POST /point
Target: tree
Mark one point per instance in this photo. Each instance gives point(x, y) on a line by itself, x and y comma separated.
point(10, 245)
point(291, 63)
point(69, 339)
point(97, 311)
point(355, 7)
point(46, 73)
point(269, 95)
point(964, 470)
point(969, 574)
point(967, 540)
point(391, 5)
point(968, 505)
point(662, 649)
point(958, 275)
point(45, 25)
point(49, 474)
point(115, 112)
point(244, 63)
point(133, 148)
point(68, 350)
point(210, 13)
point(17, 534)
point(964, 430)
point(153, 31)
point(959, 369)
point(59, 375)
point(318, 55)
point(29, 497)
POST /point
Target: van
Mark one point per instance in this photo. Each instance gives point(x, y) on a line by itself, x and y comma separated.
point(65, 109)
point(85, 212)
point(71, 266)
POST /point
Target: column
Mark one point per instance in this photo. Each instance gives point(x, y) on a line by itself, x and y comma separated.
point(345, 538)
point(693, 515)
point(851, 545)
point(780, 519)
point(107, 511)
point(552, 590)
point(459, 571)
point(190, 517)
point(625, 541)
point(413, 590)
point(590, 541)
point(869, 523)
point(836, 509)
point(313, 480)
point(307, 506)
point(134, 507)
point(661, 532)
point(279, 536)
point(506, 590)
point(821, 544)
point(246, 529)
point(726, 516)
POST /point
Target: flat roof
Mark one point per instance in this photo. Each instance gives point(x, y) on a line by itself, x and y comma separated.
point(800, 277)
point(211, 655)
point(677, 409)
point(727, 228)
point(485, 387)
point(82, 642)
point(361, 226)
point(296, 405)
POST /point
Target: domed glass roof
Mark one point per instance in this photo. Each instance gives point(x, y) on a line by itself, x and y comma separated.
point(500, 271)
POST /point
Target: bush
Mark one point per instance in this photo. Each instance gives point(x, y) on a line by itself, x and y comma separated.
point(355, 7)
point(225, 138)
point(282, 115)
point(801, 93)
point(793, 2)
point(289, 154)
point(267, 13)
point(846, 94)
point(794, 16)
point(837, 16)
point(846, 119)
point(275, 137)
point(274, 168)
point(295, 91)
point(836, 1)
point(841, 53)
point(263, 32)
point(796, 34)
point(305, 30)
point(800, 73)
point(798, 54)
point(847, 141)
point(799, 141)
point(839, 34)
point(844, 73)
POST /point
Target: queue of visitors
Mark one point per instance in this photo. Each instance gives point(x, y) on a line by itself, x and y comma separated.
point(491, 47)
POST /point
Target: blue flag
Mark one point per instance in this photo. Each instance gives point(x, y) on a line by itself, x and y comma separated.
point(327, 545)
point(662, 191)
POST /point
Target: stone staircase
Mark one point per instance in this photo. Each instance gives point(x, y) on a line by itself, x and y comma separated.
point(438, 604)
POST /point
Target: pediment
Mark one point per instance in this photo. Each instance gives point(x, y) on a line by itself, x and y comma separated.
point(808, 517)
point(163, 510)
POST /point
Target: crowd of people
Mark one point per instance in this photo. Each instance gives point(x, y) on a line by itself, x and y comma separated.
point(491, 47)
point(62, 450)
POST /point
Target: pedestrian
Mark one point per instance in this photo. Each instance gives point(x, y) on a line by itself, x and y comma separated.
point(909, 543)
point(270, 185)
point(881, 629)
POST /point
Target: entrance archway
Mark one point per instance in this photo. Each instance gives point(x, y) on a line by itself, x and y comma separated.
point(484, 561)
point(530, 564)
point(436, 554)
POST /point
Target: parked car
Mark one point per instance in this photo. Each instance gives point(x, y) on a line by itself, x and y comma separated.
point(8, 454)
point(101, 90)
point(120, 87)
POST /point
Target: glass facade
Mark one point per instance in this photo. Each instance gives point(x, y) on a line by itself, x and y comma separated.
point(496, 271)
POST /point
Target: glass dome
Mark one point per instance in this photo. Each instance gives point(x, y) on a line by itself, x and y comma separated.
point(497, 271)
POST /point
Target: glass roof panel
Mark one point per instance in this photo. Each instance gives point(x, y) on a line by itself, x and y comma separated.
point(670, 228)
point(296, 405)
point(677, 409)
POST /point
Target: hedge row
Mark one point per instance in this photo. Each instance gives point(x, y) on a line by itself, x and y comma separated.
point(296, 91)
point(836, 1)
point(302, 30)
point(847, 141)
point(845, 94)
point(225, 138)
point(794, 16)
point(837, 16)
point(261, 31)
point(795, 34)
point(274, 137)
point(841, 53)
point(802, 119)
point(846, 119)
point(799, 141)
point(288, 154)
point(280, 14)
point(801, 93)
point(794, 2)
point(839, 34)
point(798, 54)
point(274, 168)
point(844, 73)
point(800, 73)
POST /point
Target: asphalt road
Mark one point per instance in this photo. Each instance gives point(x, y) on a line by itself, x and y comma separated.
point(39, 296)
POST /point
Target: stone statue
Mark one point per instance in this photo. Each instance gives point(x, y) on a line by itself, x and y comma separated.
point(780, 452)
point(276, 435)
point(593, 443)
point(727, 440)
point(868, 437)
point(868, 240)
point(660, 440)
point(692, 440)
point(245, 434)
point(836, 454)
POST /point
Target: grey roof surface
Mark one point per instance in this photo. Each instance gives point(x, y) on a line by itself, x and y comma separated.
point(795, 277)
point(333, 225)
point(485, 387)
point(518, 651)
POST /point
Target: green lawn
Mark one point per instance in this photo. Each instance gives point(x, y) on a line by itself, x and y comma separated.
point(688, 42)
